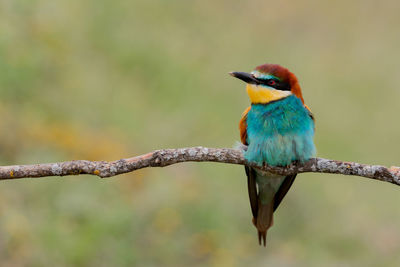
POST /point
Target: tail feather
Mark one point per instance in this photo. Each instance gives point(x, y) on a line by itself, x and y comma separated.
point(266, 192)
point(262, 236)
point(264, 221)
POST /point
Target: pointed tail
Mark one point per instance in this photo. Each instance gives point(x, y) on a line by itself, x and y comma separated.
point(264, 221)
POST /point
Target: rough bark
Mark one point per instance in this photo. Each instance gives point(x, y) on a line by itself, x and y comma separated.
point(165, 157)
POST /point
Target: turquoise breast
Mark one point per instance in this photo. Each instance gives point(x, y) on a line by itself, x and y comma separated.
point(280, 132)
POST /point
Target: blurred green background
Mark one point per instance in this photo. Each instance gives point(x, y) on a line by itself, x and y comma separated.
point(103, 80)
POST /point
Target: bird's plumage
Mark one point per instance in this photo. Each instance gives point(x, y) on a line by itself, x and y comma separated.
point(278, 128)
point(279, 132)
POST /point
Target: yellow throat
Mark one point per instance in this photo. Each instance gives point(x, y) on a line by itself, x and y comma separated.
point(262, 95)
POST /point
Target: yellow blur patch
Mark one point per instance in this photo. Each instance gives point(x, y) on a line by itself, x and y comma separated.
point(167, 221)
point(263, 95)
point(11, 173)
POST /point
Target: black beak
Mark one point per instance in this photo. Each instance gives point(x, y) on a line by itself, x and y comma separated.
point(244, 76)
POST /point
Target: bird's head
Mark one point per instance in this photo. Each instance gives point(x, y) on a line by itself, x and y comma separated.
point(269, 82)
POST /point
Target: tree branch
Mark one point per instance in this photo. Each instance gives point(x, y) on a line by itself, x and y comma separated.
point(165, 157)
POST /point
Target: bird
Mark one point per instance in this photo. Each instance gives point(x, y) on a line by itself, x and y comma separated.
point(278, 129)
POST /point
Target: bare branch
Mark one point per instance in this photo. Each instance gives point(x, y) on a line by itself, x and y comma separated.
point(165, 157)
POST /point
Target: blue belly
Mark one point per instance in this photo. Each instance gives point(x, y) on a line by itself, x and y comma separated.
point(279, 133)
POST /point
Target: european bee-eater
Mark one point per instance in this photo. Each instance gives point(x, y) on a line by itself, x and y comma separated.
point(278, 129)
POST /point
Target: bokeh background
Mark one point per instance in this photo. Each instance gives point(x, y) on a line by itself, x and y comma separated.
point(103, 80)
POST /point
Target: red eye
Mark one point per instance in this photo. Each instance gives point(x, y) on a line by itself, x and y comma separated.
point(271, 82)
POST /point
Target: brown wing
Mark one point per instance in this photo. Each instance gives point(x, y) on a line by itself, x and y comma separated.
point(252, 189)
point(286, 184)
point(243, 127)
point(250, 172)
point(309, 112)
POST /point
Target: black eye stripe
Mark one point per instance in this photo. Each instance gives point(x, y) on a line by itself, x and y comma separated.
point(277, 85)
